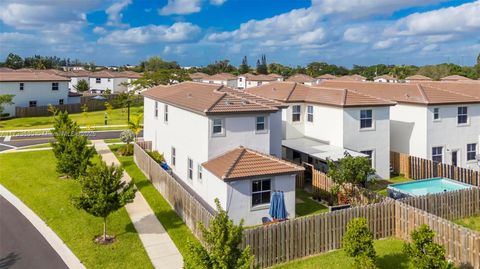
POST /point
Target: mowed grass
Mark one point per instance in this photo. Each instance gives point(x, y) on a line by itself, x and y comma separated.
point(94, 118)
point(380, 186)
point(389, 255)
point(31, 176)
point(175, 227)
point(471, 222)
point(305, 205)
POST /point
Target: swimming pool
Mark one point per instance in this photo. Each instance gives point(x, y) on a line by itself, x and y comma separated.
point(424, 187)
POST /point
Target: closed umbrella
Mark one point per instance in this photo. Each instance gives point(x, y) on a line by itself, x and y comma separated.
point(282, 212)
point(274, 199)
point(277, 205)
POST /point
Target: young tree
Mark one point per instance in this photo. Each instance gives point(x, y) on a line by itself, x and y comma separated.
point(14, 61)
point(358, 243)
point(127, 137)
point(103, 192)
point(349, 169)
point(424, 252)
point(82, 86)
point(5, 99)
point(136, 124)
point(244, 68)
point(221, 248)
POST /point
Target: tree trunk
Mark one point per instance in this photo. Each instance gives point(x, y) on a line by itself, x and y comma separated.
point(105, 229)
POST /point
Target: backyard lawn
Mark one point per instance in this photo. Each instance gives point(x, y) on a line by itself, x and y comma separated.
point(305, 205)
point(471, 222)
point(380, 186)
point(94, 118)
point(31, 176)
point(175, 227)
point(389, 255)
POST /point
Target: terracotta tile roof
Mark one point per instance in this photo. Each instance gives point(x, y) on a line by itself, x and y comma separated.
point(129, 74)
point(326, 76)
point(198, 75)
point(454, 78)
point(221, 76)
point(291, 92)
point(274, 75)
point(207, 98)
point(30, 76)
point(300, 78)
point(261, 77)
point(468, 87)
point(6, 69)
point(418, 77)
point(416, 93)
point(243, 163)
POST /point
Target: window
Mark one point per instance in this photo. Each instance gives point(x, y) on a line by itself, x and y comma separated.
point(174, 156)
point(32, 103)
point(436, 113)
point(60, 101)
point(296, 113)
point(210, 81)
point(199, 172)
point(165, 114)
point(437, 154)
point(259, 83)
point(471, 151)
point(22, 86)
point(156, 110)
point(218, 127)
point(190, 168)
point(98, 80)
point(366, 119)
point(261, 192)
point(108, 79)
point(310, 113)
point(462, 116)
point(260, 123)
point(239, 79)
point(55, 86)
point(369, 154)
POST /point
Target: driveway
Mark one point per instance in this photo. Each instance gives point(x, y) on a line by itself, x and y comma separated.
point(21, 245)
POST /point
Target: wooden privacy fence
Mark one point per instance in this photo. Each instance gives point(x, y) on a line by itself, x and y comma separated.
point(187, 207)
point(462, 245)
point(419, 168)
point(305, 236)
point(450, 205)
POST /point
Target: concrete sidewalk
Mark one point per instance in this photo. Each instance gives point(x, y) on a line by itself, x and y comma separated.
point(159, 246)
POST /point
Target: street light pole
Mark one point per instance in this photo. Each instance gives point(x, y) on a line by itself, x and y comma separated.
point(128, 104)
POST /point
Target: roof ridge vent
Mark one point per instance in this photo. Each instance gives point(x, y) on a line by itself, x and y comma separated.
point(189, 95)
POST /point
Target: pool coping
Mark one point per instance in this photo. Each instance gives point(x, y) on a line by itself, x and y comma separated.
point(392, 186)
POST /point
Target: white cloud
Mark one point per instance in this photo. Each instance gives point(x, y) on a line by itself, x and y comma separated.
point(181, 7)
point(178, 32)
point(385, 44)
point(114, 12)
point(217, 2)
point(99, 30)
point(358, 34)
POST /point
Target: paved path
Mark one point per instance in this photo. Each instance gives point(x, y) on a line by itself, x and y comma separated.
point(159, 246)
point(26, 241)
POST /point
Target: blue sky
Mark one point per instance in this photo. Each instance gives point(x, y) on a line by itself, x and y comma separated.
point(197, 32)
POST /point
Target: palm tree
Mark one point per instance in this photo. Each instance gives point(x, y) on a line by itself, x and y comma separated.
point(136, 124)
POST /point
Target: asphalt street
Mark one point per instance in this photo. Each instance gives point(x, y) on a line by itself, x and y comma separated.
point(21, 245)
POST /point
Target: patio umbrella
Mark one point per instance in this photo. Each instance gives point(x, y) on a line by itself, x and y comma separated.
point(277, 205)
point(99, 98)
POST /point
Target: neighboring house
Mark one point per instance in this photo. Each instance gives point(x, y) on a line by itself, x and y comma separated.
point(322, 124)
point(198, 76)
point(325, 77)
point(72, 68)
point(32, 89)
point(354, 77)
point(302, 79)
point(417, 78)
point(248, 80)
point(385, 79)
point(218, 142)
point(276, 76)
point(455, 78)
point(221, 79)
point(109, 80)
point(76, 76)
point(439, 121)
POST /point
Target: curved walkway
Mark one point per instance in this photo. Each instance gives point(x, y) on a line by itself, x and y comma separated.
point(26, 241)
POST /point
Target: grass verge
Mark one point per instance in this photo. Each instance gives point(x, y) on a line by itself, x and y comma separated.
point(389, 255)
point(380, 186)
point(305, 205)
point(471, 222)
point(31, 176)
point(175, 227)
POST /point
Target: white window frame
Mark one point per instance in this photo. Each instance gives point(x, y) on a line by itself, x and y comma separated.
point(265, 128)
point(264, 204)
point(173, 156)
point(55, 86)
point(441, 153)
point(222, 126)
point(436, 112)
point(371, 118)
point(370, 157)
point(470, 151)
point(21, 86)
point(462, 115)
point(310, 113)
point(189, 168)
point(165, 113)
point(155, 113)
point(200, 172)
point(295, 113)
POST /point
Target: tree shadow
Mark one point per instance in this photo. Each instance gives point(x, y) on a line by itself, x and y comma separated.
point(9, 260)
point(397, 260)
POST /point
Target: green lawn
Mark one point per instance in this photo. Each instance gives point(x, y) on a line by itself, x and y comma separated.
point(380, 186)
point(389, 253)
point(113, 140)
point(471, 222)
point(175, 227)
point(94, 118)
point(31, 176)
point(305, 205)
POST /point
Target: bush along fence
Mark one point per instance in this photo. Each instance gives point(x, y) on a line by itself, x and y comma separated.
point(187, 207)
point(418, 168)
point(91, 104)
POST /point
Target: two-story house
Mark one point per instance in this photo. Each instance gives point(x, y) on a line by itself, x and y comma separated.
point(222, 143)
point(32, 89)
point(385, 79)
point(248, 80)
point(226, 79)
point(439, 121)
point(302, 79)
point(322, 124)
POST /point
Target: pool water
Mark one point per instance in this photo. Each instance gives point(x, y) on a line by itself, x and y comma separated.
point(427, 186)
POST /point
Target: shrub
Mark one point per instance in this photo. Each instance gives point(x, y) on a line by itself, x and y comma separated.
point(127, 136)
point(423, 252)
point(158, 157)
point(126, 150)
point(358, 243)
